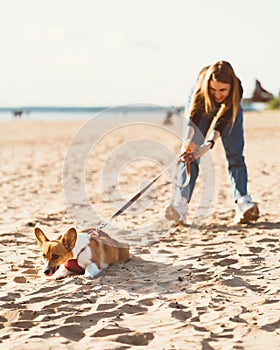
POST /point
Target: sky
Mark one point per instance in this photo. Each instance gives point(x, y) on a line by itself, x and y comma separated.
point(116, 52)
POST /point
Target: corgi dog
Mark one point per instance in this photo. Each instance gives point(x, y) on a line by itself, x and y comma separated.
point(85, 253)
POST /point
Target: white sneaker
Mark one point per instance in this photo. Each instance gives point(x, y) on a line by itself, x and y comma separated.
point(177, 212)
point(246, 210)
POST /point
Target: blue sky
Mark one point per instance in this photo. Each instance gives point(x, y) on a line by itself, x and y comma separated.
point(111, 52)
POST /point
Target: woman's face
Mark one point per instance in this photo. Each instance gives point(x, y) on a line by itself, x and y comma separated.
point(219, 91)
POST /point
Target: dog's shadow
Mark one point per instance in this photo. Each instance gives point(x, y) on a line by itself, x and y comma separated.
point(137, 276)
point(143, 276)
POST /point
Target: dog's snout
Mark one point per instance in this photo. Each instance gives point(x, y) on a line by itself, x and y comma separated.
point(47, 271)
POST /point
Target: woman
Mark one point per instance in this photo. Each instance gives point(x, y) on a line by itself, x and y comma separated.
point(216, 99)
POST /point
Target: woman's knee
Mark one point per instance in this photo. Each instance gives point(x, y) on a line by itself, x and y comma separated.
point(235, 160)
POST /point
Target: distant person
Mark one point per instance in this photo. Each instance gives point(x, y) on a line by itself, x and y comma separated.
point(17, 113)
point(170, 113)
point(216, 99)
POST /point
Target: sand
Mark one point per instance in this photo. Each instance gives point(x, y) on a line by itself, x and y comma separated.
point(212, 285)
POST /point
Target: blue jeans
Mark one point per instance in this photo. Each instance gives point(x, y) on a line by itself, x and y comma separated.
point(233, 142)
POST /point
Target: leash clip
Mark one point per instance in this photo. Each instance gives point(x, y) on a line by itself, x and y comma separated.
point(100, 227)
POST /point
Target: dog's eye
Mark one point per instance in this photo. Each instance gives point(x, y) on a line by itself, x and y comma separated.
point(55, 257)
point(44, 256)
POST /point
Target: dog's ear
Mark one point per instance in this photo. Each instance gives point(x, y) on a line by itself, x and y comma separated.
point(69, 239)
point(40, 236)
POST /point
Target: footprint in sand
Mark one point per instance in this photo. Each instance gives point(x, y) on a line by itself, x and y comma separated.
point(102, 307)
point(22, 325)
point(146, 302)
point(105, 332)
point(181, 315)
point(256, 249)
point(226, 262)
point(27, 315)
point(73, 332)
point(19, 319)
point(31, 272)
point(10, 316)
point(136, 338)
point(10, 297)
point(20, 279)
point(133, 309)
point(27, 264)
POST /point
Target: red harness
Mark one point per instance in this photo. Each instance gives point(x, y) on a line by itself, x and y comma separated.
point(72, 265)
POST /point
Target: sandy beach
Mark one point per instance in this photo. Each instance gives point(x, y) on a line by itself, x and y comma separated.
point(211, 285)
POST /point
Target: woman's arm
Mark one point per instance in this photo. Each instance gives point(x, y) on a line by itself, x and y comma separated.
point(189, 135)
point(209, 144)
point(213, 137)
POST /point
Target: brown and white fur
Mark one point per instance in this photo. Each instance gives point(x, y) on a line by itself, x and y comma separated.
point(90, 251)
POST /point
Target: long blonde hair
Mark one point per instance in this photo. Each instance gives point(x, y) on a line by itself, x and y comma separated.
point(202, 101)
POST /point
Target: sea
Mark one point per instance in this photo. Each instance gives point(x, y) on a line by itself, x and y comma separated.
point(80, 113)
point(140, 111)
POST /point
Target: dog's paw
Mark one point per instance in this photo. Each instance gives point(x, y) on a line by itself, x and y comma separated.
point(61, 273)
point(87, 274)
point(92, 270)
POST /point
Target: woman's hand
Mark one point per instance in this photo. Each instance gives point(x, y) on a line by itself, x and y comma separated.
point(190, 147)
point(187, 151)
point(200, 151)
point(193, 151)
